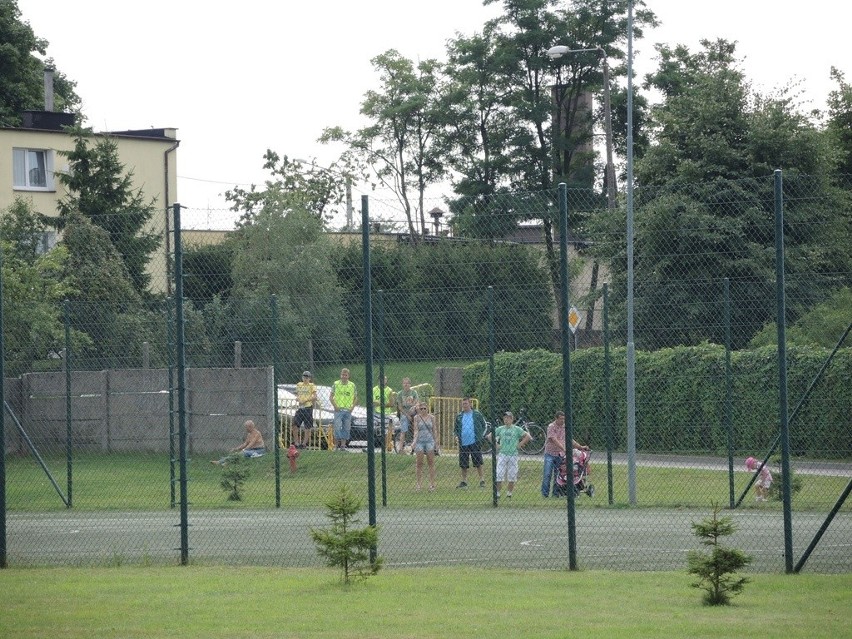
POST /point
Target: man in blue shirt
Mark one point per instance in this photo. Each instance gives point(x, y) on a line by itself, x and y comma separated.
point(470, 431)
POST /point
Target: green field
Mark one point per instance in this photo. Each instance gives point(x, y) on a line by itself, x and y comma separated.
point(141, 482)
point(238, 602)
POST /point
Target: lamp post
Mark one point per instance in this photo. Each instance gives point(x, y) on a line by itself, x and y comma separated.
point(631, 346)
point(560, 50)
point(345, 176)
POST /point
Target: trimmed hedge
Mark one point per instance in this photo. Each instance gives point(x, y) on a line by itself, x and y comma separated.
point(680, 397)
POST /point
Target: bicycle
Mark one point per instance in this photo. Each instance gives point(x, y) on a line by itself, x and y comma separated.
point(538, 435)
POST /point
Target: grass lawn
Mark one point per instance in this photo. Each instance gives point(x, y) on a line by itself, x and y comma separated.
point(216, 602)
point(141, 482)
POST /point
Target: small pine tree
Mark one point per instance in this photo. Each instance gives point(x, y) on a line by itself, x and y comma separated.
point(716, 570)
point(343, 544)
point(234, 476)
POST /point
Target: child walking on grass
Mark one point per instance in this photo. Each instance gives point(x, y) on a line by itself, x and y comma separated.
point(763, 481)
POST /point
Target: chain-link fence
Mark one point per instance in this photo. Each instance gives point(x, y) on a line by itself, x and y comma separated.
point(118, 399)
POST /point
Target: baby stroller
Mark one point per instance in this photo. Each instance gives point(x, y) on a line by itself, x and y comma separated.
point(581, 475)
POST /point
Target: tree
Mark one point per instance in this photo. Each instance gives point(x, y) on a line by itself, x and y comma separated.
point(435, 297)
point(33, 290)
point(823, 326)
point(22, 72)
point(105, 305)
point(207, 272)
point(529, 153)
point(98, 187)
point(342, 544)
point(399, 142)
point(23, 228)
point(716, 570)
point(707, 208)
point(319, 189)
point(284, 252)
point(840, 121)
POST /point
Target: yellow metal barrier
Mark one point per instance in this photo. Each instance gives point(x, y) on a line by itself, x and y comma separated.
point(321, 432)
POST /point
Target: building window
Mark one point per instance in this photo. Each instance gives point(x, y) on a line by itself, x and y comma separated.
point(32, 169)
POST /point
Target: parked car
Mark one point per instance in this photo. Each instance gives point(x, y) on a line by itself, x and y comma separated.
point(324, 414)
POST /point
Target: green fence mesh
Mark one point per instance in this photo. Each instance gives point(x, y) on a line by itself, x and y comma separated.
point(93, 419)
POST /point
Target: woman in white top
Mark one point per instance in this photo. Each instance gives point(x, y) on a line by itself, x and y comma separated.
point(424, 444)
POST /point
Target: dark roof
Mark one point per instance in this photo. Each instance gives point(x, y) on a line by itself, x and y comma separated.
point(142, 133)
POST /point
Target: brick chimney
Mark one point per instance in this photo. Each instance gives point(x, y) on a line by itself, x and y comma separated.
point(48, 89)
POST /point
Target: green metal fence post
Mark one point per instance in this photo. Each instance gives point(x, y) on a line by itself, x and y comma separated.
point(66, 307)
point(380, 334)
point(495, 420)
point(782, 371)
point(607, 396)
point(3, 557)
point(170, 342)
point(276, 427)
point(729, 419)
point(566, 369)
point(368, 366)
point(181, 390)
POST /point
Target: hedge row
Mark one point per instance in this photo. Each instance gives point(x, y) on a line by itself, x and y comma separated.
point(680, 397)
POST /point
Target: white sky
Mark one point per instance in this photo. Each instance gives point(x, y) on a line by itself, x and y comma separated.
point(237, 78)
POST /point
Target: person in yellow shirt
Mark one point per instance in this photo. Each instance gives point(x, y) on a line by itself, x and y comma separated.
point(389, 404)
point(344, 397)
point(303, 420)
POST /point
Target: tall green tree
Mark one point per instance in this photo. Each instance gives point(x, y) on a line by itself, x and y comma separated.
point(399, 142)
point(285, 252)
point(23, 228)
point(99, 187)
point(22, 70)
point(707, 208)
point(33, 290)
point(320, 189)
point(525, 94)
point(106, 307)
point(840, 122)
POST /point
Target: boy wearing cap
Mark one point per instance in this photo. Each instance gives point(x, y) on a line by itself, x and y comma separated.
point(303, 420)
point(510, 437)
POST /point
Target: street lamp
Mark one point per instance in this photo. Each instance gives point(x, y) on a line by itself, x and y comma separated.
point(560, 50)
point(345, 176)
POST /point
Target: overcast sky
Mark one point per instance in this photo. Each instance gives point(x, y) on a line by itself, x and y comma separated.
point(237, 78)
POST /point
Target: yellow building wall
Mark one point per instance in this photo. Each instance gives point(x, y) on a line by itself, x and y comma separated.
point(154, 172)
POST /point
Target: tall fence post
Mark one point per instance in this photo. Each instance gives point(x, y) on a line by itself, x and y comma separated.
point(3, 557)
point(276, 426)
point(780, 320)
point(729, 418)
point(566, 369)
point(495, 419)
point(170, 342)
point(368, 366)
point(66, 307)
point(181, 389)
point(607, 396)
point(380, 334)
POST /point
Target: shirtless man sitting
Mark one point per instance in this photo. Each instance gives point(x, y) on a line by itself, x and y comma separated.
point(252, 445)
